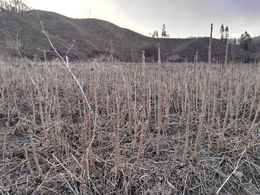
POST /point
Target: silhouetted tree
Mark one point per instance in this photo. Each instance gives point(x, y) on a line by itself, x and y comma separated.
point(164, 31)
point(155, 34)
point(164, 34)
point(254, 46)
point(245, 40)
point(234, 41)
point(226, 33)
point(222, 32)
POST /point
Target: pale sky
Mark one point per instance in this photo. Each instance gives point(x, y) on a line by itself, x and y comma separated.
point(182, 18)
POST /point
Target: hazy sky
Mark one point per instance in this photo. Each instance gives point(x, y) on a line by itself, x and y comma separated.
point(182, 18)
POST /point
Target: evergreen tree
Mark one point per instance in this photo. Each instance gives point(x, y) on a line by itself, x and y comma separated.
point(155, 34)
point(226, 33)
point(245, 40)
point(222, 32)
point(164, 31)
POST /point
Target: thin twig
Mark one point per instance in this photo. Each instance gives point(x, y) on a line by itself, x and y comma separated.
point(67, 65)
point(232, 172)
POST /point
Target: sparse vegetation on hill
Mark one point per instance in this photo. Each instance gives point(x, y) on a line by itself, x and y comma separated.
point(93, 39)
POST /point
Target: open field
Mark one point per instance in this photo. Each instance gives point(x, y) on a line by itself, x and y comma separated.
point(168, 130)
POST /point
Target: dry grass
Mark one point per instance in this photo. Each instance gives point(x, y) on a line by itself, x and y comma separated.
point(208, 121)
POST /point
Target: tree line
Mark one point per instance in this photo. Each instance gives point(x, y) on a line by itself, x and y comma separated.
point(244, 41)
point(14, 5)
point(155, 33)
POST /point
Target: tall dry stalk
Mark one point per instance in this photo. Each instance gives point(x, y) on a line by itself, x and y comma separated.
point(201, 119)
point(253, 98)
point(28, 162)
point(135, 111)
point(42, 118)
point(237, 100)
point(159, 126)
point(37, 162)
point(253, 126)
point(187, 132)
point(194, 81)
point(176, 151)
point(167, 109)
point(117, 142)
point(129, 106)
point(143, 114)
point(228, 108)
point(84, 148)
point(33, 105)
point(149, 97)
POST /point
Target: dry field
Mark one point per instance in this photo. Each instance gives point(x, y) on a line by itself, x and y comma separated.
point(168, 130)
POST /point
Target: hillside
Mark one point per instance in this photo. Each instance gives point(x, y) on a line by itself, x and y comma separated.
point(93, 39)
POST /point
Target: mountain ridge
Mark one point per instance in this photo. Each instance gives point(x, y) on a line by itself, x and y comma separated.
point(93, 38)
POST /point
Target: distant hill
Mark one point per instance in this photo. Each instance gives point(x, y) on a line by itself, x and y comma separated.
point(93, 39)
